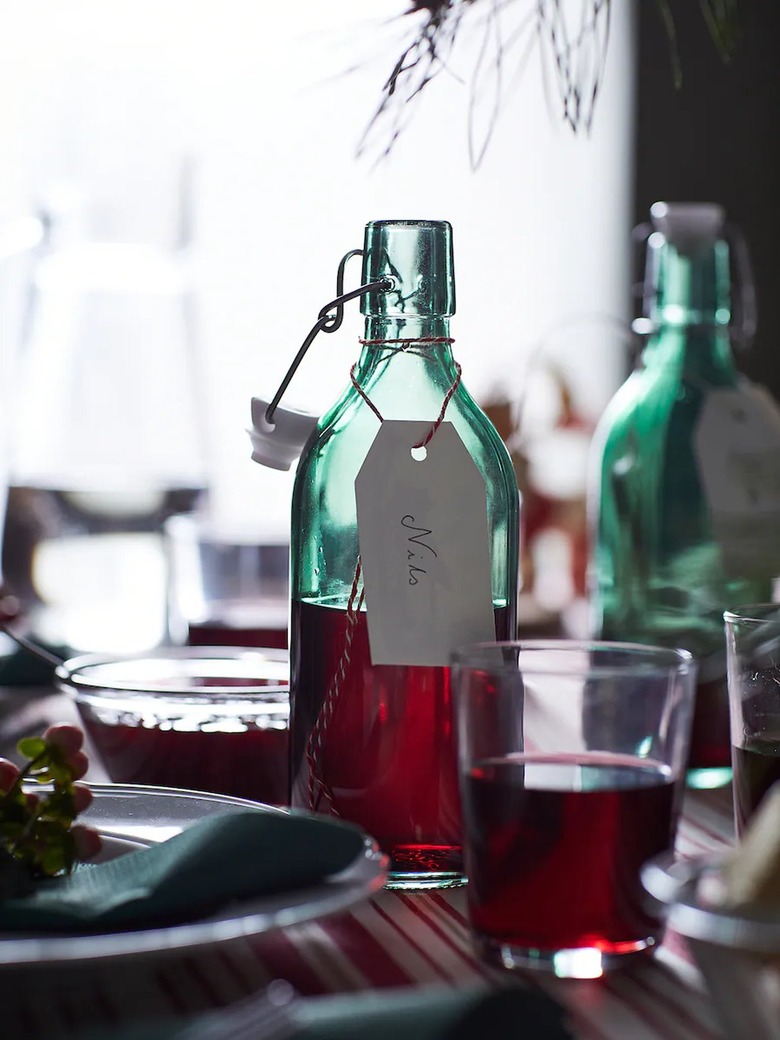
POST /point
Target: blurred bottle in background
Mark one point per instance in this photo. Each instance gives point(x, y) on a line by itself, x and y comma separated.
point(685, 492)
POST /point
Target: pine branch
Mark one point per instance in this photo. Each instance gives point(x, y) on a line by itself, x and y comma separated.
point(578, 59)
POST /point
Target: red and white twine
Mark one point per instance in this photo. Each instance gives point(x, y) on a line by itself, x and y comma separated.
point(317, 788)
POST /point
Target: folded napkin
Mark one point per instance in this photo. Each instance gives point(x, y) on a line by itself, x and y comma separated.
point(433, 1013)
point(221, 858)
point(19, 667)
point(471, 1014)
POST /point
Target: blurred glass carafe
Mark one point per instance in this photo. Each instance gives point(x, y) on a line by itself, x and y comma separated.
point(108, 436)
point(21, 236)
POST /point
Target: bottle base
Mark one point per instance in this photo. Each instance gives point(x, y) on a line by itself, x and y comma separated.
point(425, 867)
point(411, 881)
point(580, 963)
point(708, 779)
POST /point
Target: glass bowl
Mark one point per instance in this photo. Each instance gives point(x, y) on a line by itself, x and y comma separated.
point(200, 718)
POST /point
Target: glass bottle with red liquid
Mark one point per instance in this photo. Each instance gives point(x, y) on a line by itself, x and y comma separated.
point(373, 742)
point(686, 496)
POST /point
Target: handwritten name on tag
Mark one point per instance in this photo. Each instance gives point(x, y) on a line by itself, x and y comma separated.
point(424, 545)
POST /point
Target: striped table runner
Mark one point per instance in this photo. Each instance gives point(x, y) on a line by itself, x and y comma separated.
point(395, 940)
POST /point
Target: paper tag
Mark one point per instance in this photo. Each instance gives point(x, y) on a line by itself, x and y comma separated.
point(738, 450)
point(424, 546)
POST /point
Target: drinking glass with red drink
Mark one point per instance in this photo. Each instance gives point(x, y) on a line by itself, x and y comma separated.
point(571, 758)
point(753, 662)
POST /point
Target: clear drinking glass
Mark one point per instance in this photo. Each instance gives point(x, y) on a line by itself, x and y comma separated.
point(753, 661)
point(571, 757)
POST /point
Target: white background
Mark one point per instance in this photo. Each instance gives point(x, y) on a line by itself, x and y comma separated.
point(103, 97)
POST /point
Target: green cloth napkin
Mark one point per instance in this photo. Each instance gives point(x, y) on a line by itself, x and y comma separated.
point(234, 856)
point(432, 1013)
point(471, 1014)
point(21, 668)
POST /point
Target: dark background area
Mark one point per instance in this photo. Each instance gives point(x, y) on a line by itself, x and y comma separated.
point(714, 140)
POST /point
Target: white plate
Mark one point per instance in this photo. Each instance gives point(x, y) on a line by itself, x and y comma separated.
point(130, 816)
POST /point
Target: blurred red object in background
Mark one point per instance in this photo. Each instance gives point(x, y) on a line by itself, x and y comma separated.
point(550, 456)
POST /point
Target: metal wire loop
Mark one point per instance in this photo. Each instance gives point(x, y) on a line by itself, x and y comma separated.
point(329, 319)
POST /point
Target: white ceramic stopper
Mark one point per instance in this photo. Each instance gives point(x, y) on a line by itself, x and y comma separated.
point(278, 444)
point(688, 226)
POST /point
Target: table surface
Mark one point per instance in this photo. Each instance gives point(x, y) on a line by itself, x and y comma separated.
point(393, 940)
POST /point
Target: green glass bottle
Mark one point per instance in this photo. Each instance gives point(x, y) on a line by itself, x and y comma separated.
point(658, 573)
point(372, 743)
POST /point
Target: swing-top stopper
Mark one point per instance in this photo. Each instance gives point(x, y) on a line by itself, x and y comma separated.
point(279, 443)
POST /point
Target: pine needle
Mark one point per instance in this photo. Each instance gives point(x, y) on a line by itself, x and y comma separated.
point(577, 49)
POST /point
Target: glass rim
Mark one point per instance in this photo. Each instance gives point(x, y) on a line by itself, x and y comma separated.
point(420, 224)
point(750, 614)
point(73, 676)
point(649, 659)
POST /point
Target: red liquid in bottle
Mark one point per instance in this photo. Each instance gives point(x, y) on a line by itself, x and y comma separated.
point(710, 731)
point(387, 755)
point(556, 844)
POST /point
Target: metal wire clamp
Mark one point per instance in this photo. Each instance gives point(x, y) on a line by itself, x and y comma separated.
point(329, 319)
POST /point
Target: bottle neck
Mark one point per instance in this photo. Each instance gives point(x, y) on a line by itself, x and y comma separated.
point(692, 289)
point(414, 347)
point(412, 327)
point(691, 312)
point(697, 351)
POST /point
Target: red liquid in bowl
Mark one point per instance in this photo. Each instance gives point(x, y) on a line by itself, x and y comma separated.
point(200, 719)
point(250, 763)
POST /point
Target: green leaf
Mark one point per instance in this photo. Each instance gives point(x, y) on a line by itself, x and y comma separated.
point(15, 804)
point(36, 838)
point(60, 773)
point(59, 805)
point(31, 747)
point(60, 853)
point(723, 23)
point(667, 18)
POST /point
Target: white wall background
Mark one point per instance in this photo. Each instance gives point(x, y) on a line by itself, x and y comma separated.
point(106, 95)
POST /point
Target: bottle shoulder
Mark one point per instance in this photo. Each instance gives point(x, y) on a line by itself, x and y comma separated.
point(351, 425)
point(651, 400)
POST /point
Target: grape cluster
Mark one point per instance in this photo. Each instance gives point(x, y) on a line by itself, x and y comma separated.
point(38, 838)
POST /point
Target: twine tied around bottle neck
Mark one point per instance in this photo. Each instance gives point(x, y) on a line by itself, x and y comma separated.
point(405, 344)
point(317, 787)
point(405, 341)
